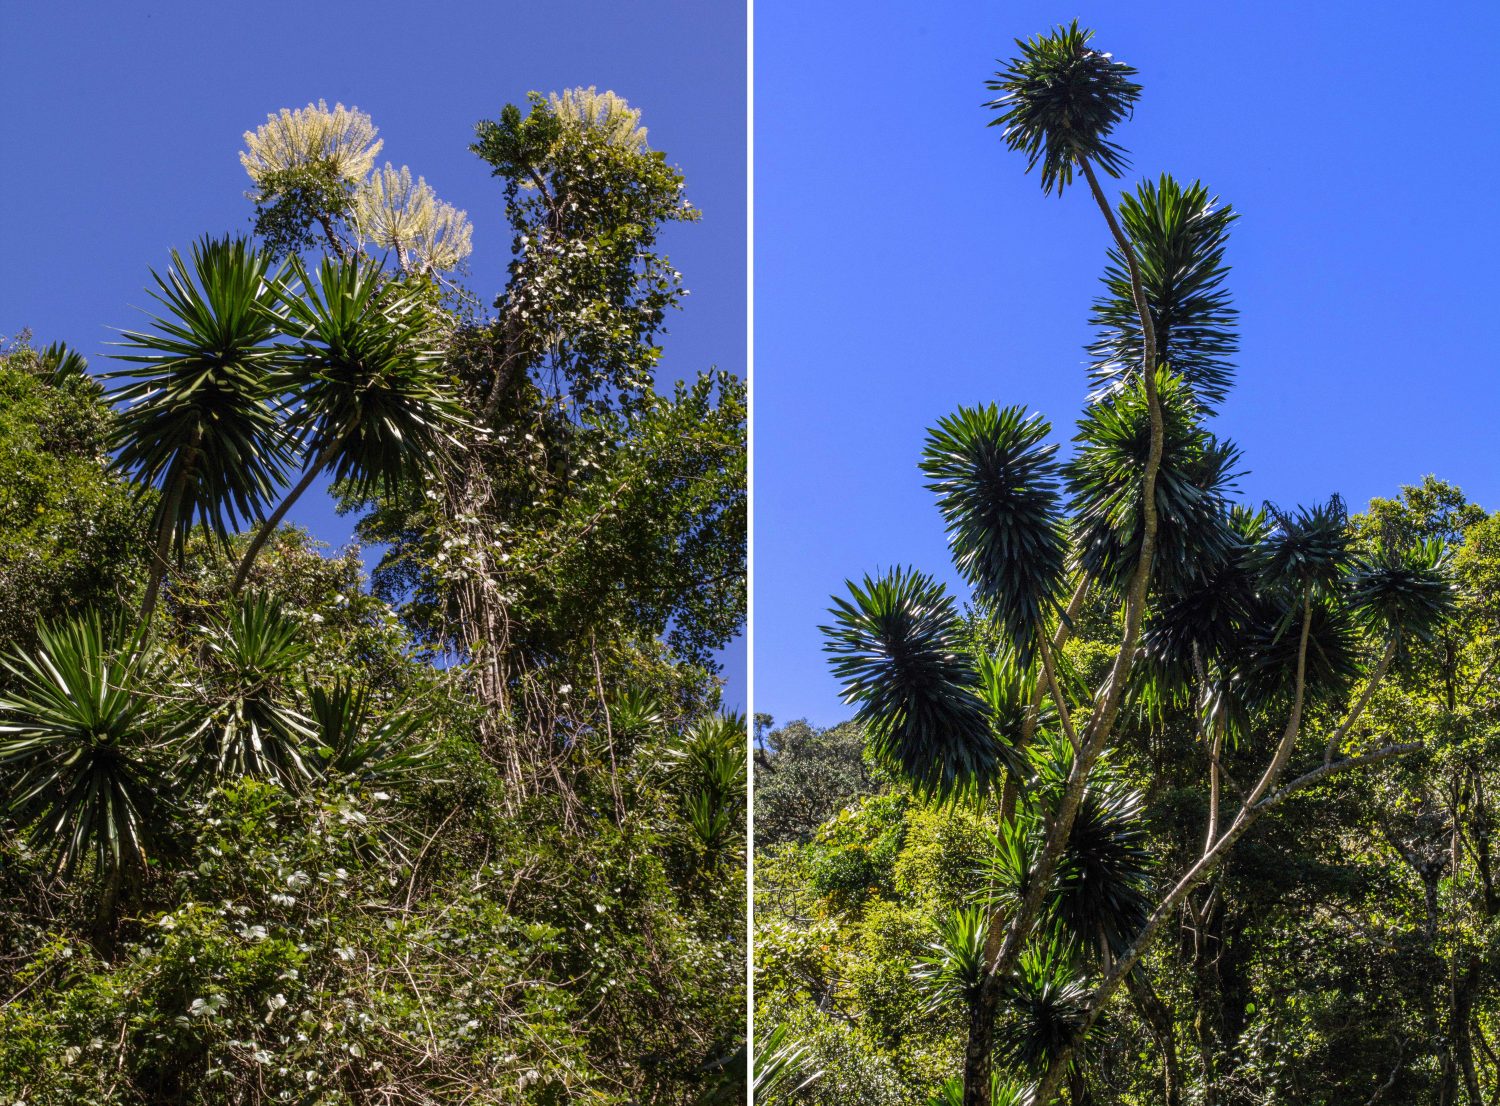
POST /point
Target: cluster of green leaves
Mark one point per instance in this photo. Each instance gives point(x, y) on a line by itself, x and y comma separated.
point(589, 502)
point(254, 369)
point(804, 776)
point(69, 534)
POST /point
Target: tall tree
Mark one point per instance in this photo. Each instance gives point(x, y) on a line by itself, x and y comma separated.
point(197, 421)
point(1255, 620)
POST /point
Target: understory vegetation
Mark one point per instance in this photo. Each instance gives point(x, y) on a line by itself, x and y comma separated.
point(1345, 952)
point(468, 827)
point(1188, 801)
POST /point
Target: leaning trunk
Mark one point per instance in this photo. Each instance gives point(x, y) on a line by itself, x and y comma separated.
point(166, 528)
point(268, 527)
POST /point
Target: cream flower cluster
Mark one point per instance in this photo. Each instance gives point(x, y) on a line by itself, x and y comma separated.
point(395, 212)
point(343, 139)
point(603, 111)
point(389, 209)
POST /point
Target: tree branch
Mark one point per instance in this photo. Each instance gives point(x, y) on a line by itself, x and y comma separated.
point(1111, 694)
point(1336, 738)
point(1185, 885)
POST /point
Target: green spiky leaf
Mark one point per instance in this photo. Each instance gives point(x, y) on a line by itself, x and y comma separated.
point(897, 647)
point(1193, 483)
point(84, 729)
point(1178, 234)
point(197, 419)
point(1059, 101)
point(996, 483)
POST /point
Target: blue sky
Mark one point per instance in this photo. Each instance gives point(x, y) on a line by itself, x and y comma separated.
point(905, 264)
point(123, 122)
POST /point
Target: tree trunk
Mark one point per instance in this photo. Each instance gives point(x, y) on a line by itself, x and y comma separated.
point(1460, 1028)
point(166, 528)
point(1158, 1018)
point(1110, 697)
point(268, 527)
point(979, 1051)
point(106, 912)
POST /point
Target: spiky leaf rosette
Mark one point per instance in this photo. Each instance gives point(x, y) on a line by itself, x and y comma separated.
point(253, 728)
point(1059, 101)
point(1047, 1003)
point(1404, 593)
point(1201, 624)
point(1008, 688)
point(711, 754)
point(1102, 887)
point(349, 740)
point(1262, 673)
point(1103, 884)
point(374, 398)
point(952, 969)
point(633, 713)
point(62, 366)
point(1178, 234)
point(1005, 870)
point(1002, 1092)
point(83, 728)
point(898, 647)
point(1305, 551)
point(996, 483)
point(709, 764)
point(198, 412)
point(1192, 486)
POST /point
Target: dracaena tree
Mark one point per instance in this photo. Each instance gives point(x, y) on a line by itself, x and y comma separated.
point(370, 403)
point(198, 419)
point(85, 731)
point(1251, 620)
point(255, 368)
point(106, 729)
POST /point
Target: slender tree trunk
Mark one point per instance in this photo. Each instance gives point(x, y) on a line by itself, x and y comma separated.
point(167, 528)
point(1111, 695)
point(980, 1047)
point(1334, 739)
point(106, 913)
point(1191, 879)
point(268, 527)
point(1253, 807)
point(1203, 1036)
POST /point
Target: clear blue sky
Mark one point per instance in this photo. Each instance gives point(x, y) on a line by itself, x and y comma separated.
point(122, 124)
point(905, 264)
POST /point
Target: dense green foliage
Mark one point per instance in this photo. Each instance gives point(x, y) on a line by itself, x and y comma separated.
point(1347, 945)
point(67, 531)
point(475, 834)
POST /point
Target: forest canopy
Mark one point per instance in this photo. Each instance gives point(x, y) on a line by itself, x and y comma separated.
point(469, 827)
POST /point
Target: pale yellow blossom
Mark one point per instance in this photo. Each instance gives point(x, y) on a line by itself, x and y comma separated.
point(394, 212)
point(342, 140)
point(602, 111)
